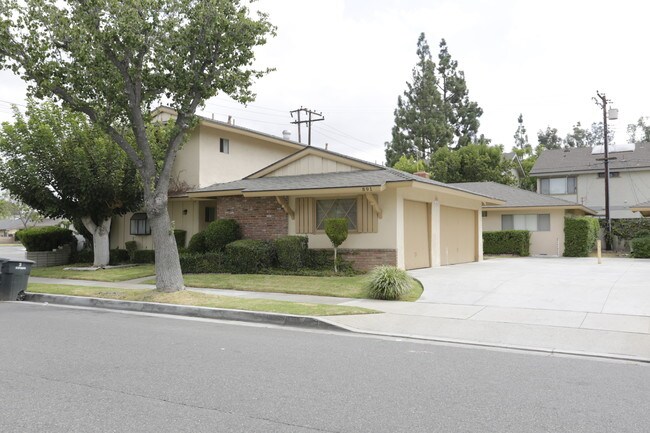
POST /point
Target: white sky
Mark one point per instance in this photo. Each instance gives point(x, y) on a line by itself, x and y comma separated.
point(350, 60)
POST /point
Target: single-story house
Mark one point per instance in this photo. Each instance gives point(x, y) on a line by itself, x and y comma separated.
point(540, 214)
point(394, 218)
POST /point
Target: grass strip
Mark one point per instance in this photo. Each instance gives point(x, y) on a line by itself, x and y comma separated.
point(110, 275)
point(187, 297)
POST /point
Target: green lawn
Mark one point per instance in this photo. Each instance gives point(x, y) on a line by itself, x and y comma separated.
point(186, 297)
point(112, 275)
point(344, 287)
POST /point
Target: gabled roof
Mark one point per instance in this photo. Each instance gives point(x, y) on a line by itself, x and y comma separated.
point(519, 198)
point(16, 224)
point(577, 160)
point(367, 175)
point(231, 127)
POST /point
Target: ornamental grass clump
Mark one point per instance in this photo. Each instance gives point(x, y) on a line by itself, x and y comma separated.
point(388, 282)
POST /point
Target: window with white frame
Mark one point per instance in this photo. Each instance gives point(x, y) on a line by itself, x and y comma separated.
point(530, 222)
point(140, 224)
point(558, 185)
point(336, 208)
point(224, 145)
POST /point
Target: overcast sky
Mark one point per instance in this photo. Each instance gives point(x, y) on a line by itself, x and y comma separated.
point(351, 59)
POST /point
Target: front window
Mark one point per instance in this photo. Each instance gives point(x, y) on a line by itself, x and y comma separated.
point(532, 222)
point(210, 214)
point(338, 208)
point(559, 185)
point(140, 224)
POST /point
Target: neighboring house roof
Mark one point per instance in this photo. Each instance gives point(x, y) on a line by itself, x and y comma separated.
point(373, 175)
point(643, 208)
point(16, 224)
point(519, 198)
point(581, 159)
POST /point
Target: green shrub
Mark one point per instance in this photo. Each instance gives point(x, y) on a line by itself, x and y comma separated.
point(507, 242)
point(248, 256)
point(17, 235)
point(628, 228)
point(580, 236)
point(45, 238)
point(131, 248)
point(336, 230)
point(118, 256)
point(641, 248)
point(220, 233)
point(197, 244)
point(388, 282)
point(84, 256)
point(144, 256)
point(208, 263)
point(291, 252)
point(180, 236)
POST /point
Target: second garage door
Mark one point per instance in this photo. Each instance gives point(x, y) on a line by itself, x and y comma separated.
point(458, 239)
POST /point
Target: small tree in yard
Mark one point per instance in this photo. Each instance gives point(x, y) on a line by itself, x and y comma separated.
point(60, 165)
point(113, 60)
point(336, 230)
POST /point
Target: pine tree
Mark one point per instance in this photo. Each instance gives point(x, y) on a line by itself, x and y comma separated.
point(435, 110)
point(522, 146)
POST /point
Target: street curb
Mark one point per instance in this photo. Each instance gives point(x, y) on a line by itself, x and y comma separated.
point(519, 348)
point(186, 310)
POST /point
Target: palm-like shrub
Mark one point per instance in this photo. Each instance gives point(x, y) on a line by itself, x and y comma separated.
point(388, 282)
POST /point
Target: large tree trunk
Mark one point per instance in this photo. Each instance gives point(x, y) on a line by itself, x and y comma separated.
point(101, 245)
point(169, 277)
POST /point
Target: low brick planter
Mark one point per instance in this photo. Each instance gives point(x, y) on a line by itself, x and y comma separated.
point(42, 259)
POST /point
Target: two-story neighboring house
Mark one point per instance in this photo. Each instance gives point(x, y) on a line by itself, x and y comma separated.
point(578, 175)
point(275, 187)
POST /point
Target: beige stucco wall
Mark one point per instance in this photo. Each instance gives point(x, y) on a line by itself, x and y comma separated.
point(311, 164)
point(246, 156)
point(385, 238)
point(550, 243)
point(630, 188)
point(192, 221)
point(186, 164)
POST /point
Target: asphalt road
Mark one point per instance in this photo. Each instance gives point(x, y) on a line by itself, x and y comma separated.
point(73, 370)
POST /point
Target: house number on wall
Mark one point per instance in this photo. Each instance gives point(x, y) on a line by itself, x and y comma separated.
point(366, 188)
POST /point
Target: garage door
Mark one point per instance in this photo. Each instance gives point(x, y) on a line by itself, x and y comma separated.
point(457, 235)
point(416, 235)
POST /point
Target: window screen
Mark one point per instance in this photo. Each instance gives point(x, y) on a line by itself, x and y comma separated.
point(338, 208)
point(507, 222)
point(224, 145)
point(543, 222)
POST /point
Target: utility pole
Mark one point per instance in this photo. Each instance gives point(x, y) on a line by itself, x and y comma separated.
point(310, 118)
point(602, 102)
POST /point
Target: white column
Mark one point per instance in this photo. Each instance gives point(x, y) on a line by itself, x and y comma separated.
point(479, 234)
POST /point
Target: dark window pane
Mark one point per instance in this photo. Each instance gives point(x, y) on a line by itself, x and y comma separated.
point(507, 222)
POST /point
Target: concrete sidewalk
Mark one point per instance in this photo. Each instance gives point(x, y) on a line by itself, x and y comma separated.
point(624, 336)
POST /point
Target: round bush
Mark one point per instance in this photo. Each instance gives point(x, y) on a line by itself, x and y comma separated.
point(220, 233)
point(197, 243)
point(45, 238)
point(248, 256)
point(291, 252)
point(388, 282)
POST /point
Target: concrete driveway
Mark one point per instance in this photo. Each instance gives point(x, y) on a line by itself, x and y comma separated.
point(617, 286)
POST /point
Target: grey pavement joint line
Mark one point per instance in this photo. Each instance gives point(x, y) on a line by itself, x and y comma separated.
point(612, 288)
point(164, 400)
point(482, 308)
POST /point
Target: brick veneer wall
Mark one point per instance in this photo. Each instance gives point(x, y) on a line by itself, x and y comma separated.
point(365, 260)
point(259, 217)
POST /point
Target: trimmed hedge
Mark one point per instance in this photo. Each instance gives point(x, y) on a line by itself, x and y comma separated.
point(641, 248)
point(197, 244)
point(580, 236)
point(507, 242)
point(248, 256)
point(180, 236)
point(208, 263)
point(220, 233)
point(131, 248)
point(118, 256)
point(84, 256)
point(144, 256)
point(45, 238)
point(292, 252)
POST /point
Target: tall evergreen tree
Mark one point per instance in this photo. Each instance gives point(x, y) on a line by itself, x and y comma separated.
point(420, 126)
point(548, 139)
point(522, 146)
point(435, 110)
point(460, 113)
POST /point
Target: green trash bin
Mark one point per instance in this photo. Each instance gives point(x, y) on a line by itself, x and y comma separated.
point(13, 278)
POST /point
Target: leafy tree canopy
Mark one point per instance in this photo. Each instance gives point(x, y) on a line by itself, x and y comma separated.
point(472, 163)
point(410, 164)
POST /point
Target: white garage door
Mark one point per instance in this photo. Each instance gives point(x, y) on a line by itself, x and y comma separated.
point(417, 245)
point(458, 241)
